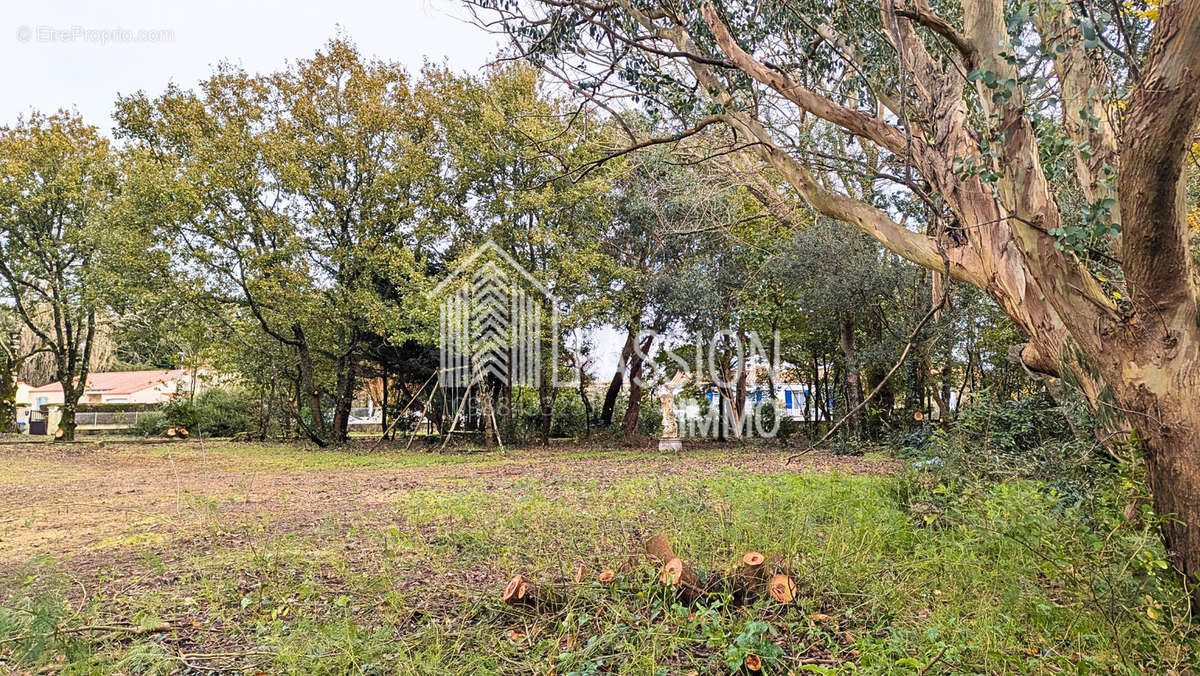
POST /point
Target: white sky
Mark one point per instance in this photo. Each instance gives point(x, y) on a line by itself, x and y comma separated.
point(58, 55)
point(81, 54)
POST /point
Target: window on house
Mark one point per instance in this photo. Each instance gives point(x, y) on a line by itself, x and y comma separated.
point(41, 401)
point(787, 398)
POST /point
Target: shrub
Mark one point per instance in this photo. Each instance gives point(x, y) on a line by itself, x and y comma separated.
point(763, 420)
point(224, 413)
point(1013, 427)
point(150, 424)
point(179, 412)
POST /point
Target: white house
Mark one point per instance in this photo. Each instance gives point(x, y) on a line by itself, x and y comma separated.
point(119, 387)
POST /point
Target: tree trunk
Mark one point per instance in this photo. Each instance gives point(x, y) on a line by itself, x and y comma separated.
point(308, 384)
point(383, 411)
point(8, 391)
point(853, 390)
point(739, 393)
point(486, 393)
point(587, 404)
point(1172, 449)
point(634, 409)
point(347, 373)
point(614, 386)
point(546, 396)
point(67, 422)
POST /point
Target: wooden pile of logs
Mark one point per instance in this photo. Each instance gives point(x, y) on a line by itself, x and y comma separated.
point(754, 577)
point(176, 432)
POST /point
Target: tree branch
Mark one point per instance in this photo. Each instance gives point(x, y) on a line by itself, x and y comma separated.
point(922, 14)
point(854, 121)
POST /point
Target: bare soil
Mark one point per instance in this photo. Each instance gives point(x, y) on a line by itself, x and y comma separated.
point(83, 504)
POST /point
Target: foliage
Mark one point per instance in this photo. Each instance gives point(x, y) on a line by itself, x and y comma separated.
point(150, 424)
point(60, 247)
point(224, 413)
point(301, 199)
point(179, 411)
point(1013, 427)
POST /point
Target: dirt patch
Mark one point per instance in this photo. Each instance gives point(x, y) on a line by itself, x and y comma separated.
point(86, 503)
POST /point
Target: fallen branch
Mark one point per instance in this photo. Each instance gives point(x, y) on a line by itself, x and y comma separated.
point(136, 630)
point(395, 420)
point(659, 549)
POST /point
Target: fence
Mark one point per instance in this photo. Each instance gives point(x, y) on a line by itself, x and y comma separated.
point(109, 420)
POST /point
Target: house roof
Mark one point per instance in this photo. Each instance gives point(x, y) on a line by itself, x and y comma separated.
point(120, 382)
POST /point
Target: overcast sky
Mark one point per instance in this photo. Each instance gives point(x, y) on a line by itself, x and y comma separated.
point(81, 54)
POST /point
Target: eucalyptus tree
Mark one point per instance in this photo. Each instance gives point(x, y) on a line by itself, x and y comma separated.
point(291, 198)
point(59, 180)
point(984, 110)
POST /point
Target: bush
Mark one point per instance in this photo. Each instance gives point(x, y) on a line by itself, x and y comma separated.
point(996, 441)
point(763, 420)
point(1013, 427)
point(224, 413)
point(150, 424)
point(179, 412)
point(214, 412)
point(649, 417)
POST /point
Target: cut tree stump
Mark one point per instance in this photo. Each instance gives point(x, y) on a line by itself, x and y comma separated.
point(678, 574)
point(781, 588)
point(522, 592)
point(659, 548)
point(750, 577)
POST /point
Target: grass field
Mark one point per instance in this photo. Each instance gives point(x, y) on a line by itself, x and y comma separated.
point(208, 557)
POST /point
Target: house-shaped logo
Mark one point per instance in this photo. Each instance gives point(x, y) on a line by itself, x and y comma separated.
point(497, 322)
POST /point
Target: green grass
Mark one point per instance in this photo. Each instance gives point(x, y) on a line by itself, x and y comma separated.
point(893, 579)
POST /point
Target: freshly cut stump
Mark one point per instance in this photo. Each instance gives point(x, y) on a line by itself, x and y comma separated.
point(659, 548)
point(678, 574)
point(750, 577)
point(782, 589)
point(522, 592)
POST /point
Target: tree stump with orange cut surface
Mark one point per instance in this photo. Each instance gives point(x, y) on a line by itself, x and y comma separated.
point(678, 574)
point(781, 588)
point(523, 592)
point(750, 577)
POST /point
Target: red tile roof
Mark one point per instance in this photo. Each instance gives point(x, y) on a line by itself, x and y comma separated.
point(120, 382)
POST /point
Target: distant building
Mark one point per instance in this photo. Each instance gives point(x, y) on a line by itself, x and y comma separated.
point(119, 387)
